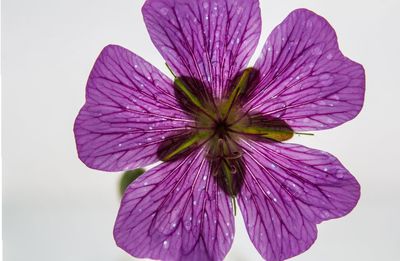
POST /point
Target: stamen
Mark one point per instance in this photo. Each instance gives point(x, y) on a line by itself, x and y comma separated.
point(235, 155)
point(233, 169)
point(220, 144)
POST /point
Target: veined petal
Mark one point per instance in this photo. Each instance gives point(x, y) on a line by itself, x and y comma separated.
point(130, 109)
point(211, 41)
point(176, 211)
point(287, 190)
point(304, 79)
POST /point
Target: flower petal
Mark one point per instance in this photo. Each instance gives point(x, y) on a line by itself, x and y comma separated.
point(287, 190)
point(176, 211)
point(130, 109)
point(304, 78)
point(211, 41)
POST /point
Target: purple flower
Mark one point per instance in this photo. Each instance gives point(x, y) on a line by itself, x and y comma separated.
point(221, 130)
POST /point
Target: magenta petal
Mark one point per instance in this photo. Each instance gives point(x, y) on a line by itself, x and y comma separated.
point(304, 78)
point(207, 40)
point(176, 211)
point(287, 190)
point(130, 109)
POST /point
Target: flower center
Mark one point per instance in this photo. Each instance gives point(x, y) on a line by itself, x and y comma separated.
point(219, 127)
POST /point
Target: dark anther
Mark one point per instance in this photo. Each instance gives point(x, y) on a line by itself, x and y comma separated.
point(233, 169)
point(234, 155)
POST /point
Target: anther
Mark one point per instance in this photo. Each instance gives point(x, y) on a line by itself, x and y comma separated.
point(233, 169)
point(220, 145)
point(234, 155)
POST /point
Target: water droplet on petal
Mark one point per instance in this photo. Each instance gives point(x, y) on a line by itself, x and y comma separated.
point(164, 11)
point(326, 79)
point(188, 225)
point(325, 214)
point(165, 244)
point(316, 51)
point(293, 190)
point(340, 174)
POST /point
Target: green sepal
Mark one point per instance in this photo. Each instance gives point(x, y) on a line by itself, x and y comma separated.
point(127, 178)
point(239, 89)
point(229, 181)
point(182, 87)
point(186, 144)
point(180, 84)
point(273, 133)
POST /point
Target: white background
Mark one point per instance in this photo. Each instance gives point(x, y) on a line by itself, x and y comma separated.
point(55, 208)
